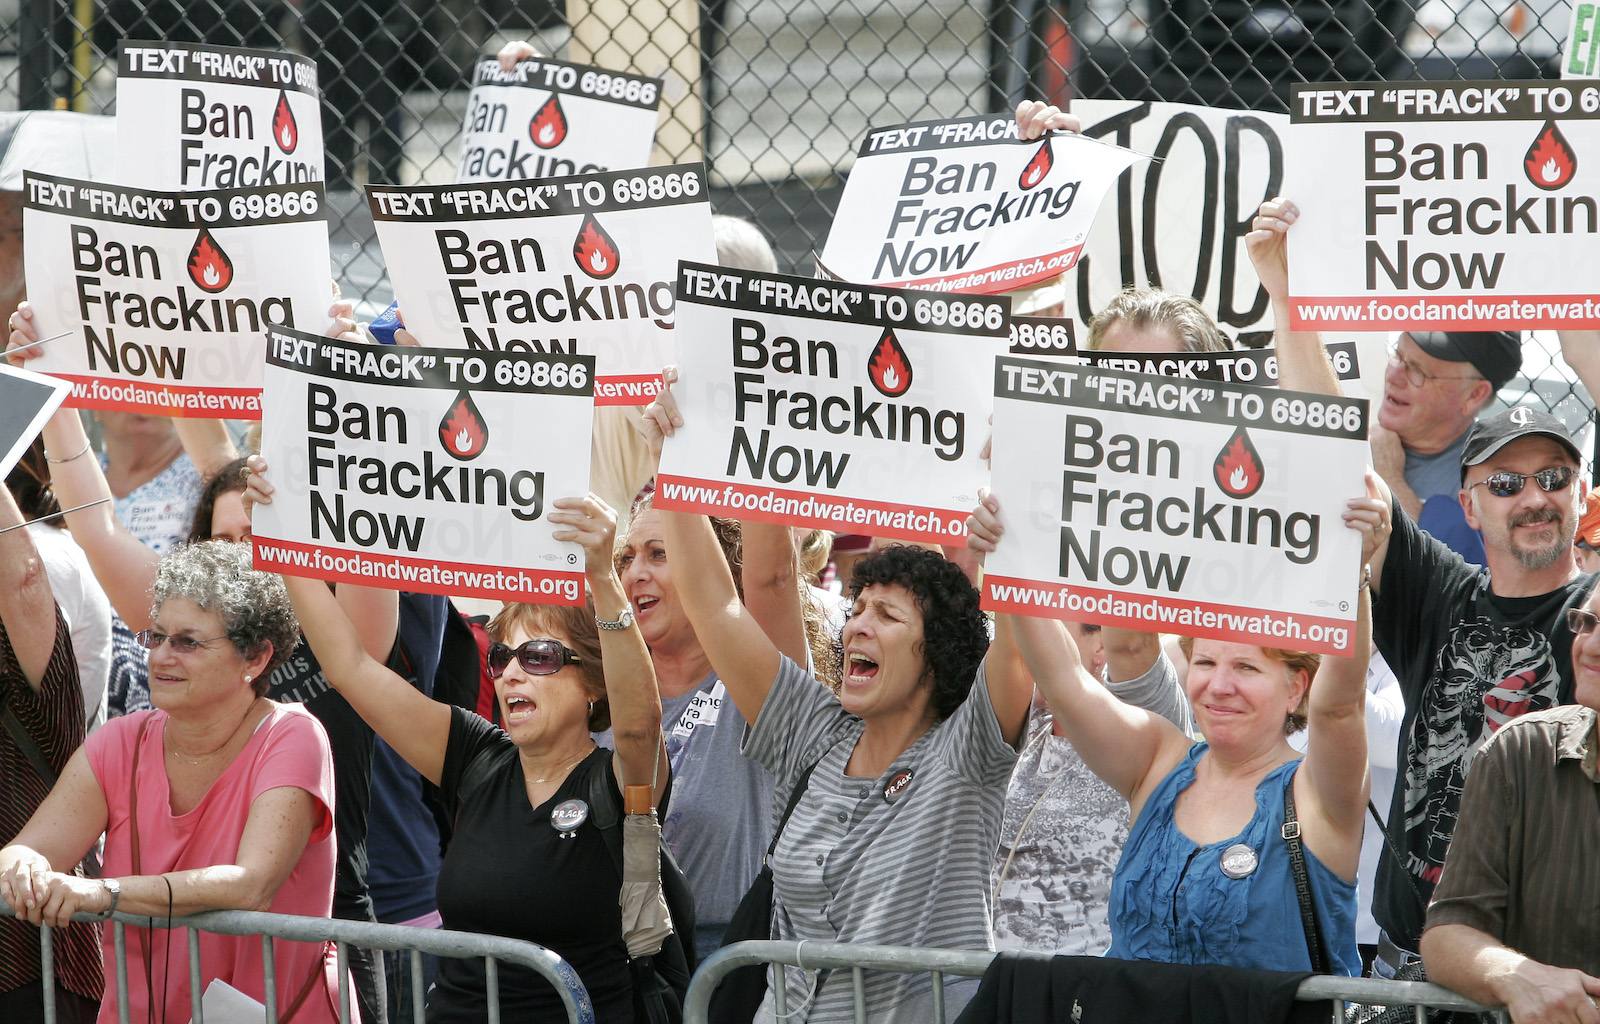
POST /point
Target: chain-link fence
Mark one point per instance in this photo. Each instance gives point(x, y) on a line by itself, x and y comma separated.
point(774, 96)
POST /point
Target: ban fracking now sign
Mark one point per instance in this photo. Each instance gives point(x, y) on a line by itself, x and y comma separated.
point(821, 404)
point(547, 119)
point(410, 468)
point(1192, 507)
point(968, 206)
point(164, 296)
point(1255, 366)
point(1445, 205)
point(582, 264)
point(192, 117)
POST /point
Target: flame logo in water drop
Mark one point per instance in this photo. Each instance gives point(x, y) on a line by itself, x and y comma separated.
point(889, 367)
point(1238, 468)
point(284, 131)
point(594, 250)
point(462, 430)
point(549, 125)
point(1038, 168)
point(209, 267)
point(1550, 162)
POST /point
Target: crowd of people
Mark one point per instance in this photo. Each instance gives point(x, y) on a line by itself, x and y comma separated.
point(185, 732)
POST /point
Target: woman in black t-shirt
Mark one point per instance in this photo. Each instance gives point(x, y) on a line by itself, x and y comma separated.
point(526, 860)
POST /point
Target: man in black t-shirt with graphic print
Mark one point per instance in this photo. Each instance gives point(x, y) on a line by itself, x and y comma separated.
point(1472, 648)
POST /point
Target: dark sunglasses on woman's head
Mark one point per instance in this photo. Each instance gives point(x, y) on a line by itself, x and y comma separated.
point(1506, 485)
point(150, 639)
point(537, 657)
point(1581, 621)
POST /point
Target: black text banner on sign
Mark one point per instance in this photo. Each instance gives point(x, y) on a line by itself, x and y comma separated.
point(1043, 336)
point(1257, 366)
point(26, 401)
point(192, 117)
point(1179, 220)
point(580, 264)
point(413, 468)
point(967, 206)
point(547, 118)
point(166, 295)
point(831, 405)
point(1198, 508)
point(1445, 205)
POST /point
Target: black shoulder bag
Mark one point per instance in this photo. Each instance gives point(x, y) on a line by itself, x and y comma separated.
point(1302, 883)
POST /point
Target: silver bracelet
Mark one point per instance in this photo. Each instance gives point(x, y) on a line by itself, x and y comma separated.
point(86, 446)
point(113, 887)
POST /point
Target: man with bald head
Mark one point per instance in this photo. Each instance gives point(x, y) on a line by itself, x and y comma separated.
point(1433, 389)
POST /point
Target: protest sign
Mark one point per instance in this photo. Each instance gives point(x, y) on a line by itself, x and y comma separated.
point(546, 118)
point(1043, 336)
point(968, 206)
point(1203, 509)
point(1257, 366)
point(411, 468)
point(831, 405)
point(582, 264)
point(1179, 219)
point(166, 294)
point(1445, 206)
point(26, 401)
point(192, 117)
point(1580, 57)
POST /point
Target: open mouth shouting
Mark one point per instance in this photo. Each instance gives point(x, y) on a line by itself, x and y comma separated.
point(519, 708)
point(859, 669)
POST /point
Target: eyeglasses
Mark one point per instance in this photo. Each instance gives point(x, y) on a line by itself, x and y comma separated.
point(1418, 376)
point(1581, 621)
point(537, 657)
point(150, 640)
point(1507, 485)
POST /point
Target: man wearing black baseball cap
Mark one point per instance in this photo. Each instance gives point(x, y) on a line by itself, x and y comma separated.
point(1472, 647)
point(1436, 384)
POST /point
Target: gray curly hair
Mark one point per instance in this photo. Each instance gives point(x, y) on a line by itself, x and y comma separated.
point(253, 606)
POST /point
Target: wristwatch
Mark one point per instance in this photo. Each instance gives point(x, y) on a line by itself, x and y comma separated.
point(113, 887)
point(623, 621)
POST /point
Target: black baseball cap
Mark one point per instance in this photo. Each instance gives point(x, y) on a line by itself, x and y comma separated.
point(1497, 355)
point(1488, 436)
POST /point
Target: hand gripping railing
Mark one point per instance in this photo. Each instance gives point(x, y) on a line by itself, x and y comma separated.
point(964, 963)
point(493, 948)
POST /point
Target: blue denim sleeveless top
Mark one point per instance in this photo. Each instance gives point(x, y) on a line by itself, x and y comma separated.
point(1172, 903)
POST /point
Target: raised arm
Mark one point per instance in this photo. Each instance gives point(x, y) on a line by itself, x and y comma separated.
point(27, 607)
point(1334, 771)
point(630, 677)
point(1128, 747)
point(1581, 350)
point(1302, 361)
point(772, 588)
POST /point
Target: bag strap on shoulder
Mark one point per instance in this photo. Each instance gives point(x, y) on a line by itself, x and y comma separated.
point(1302, 882)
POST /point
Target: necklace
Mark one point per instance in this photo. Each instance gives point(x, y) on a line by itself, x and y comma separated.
point(203, 758)
point(560, 772)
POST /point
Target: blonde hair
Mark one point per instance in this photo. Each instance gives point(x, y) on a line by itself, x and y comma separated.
point(1156, 308)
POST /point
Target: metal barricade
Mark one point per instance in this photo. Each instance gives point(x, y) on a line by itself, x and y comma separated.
point(970, 964)
point(493, 948)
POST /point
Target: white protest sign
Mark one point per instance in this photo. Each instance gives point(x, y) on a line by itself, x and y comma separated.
point(167, 294)
point(1203, 509)
point(1445, 206)
point(411, 468)
point(192, 117)
point(1043, 336)
point(547, 118)
point(26, 401)
point(967, 206)
point(583, 264)
point(1580, 57)
point(1180, 218)
point(1256, 366)
point(831, 405)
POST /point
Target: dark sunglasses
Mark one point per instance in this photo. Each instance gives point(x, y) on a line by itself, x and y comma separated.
point(537, 657)
point(150, 640)
point(1581, 622)
point(1506, 485)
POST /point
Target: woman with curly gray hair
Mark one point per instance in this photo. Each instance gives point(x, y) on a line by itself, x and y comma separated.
point(214, 799)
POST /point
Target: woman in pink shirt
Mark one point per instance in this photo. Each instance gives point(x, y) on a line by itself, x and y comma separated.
point(216, 799)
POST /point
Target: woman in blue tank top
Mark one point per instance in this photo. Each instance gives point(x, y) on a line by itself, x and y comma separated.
point(1206, 877)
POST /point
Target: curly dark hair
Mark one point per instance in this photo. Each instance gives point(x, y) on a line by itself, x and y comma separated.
point(955, 633)
point(228, 479)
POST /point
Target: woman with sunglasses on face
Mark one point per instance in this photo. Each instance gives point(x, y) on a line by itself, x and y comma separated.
point(526, 861)
point(216, 799)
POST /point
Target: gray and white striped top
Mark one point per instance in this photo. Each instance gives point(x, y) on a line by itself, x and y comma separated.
point(861, 861)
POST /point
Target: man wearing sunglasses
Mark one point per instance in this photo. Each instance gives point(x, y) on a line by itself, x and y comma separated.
point(1434, 387)
point(1473, 647)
